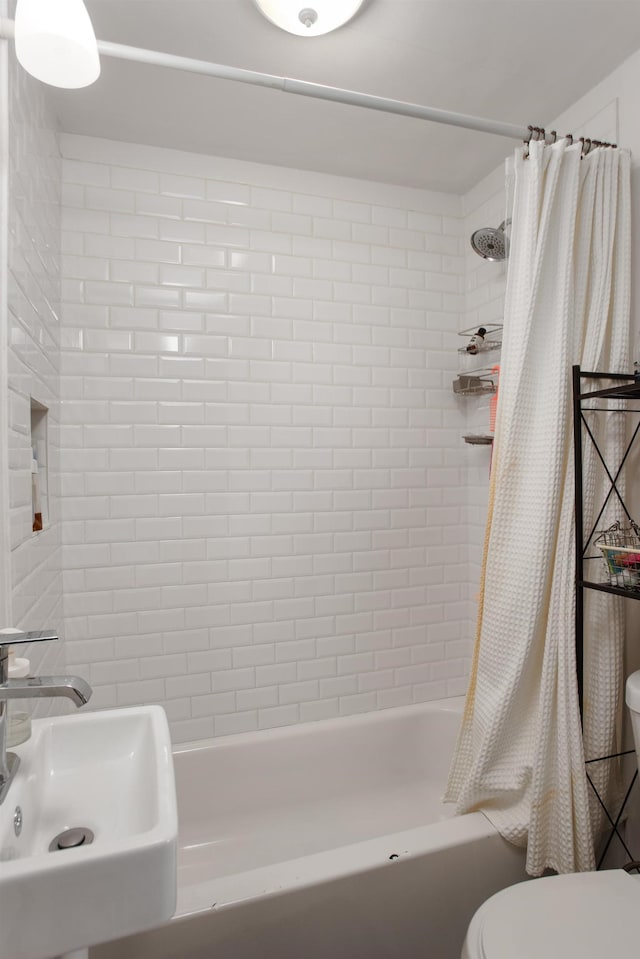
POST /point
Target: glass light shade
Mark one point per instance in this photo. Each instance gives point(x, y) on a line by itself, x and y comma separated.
point(55, 42)
point(309, 19)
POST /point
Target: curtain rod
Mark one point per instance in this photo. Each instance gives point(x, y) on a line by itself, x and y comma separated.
point(303, 88)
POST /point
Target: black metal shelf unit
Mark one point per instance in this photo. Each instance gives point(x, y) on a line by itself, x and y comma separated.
point(626, 387)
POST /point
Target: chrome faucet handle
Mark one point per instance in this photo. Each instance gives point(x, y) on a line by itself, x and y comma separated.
point(12, 638)
point(74, 688)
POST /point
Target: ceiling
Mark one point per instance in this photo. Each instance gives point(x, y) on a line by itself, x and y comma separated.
point(520, 61)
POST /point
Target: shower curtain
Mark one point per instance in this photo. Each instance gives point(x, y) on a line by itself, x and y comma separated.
point(519, 756)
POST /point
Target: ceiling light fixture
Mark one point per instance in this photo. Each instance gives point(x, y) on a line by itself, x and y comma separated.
point(320, 17)
point(55, 42)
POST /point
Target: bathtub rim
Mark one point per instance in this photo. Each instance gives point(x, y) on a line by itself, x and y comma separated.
point(340, 863)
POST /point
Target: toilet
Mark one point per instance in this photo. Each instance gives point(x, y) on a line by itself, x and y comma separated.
point(591, 915)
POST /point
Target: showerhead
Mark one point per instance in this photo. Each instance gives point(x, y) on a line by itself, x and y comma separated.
point(491, 244)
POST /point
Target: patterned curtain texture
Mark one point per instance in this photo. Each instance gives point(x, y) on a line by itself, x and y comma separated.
point(520, 756)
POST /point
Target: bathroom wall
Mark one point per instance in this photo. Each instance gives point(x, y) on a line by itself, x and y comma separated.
point(32, 560)
point(269, 515)
point(484, 283)
point(263, 479)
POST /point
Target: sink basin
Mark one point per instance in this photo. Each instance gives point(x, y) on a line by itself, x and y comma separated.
point(110, 772)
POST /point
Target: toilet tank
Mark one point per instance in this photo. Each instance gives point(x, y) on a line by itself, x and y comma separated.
point(633, 702)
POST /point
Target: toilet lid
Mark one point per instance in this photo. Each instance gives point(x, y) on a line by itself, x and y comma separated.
point(586, 915)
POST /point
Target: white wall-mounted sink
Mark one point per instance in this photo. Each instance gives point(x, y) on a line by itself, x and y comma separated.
point(112, 773)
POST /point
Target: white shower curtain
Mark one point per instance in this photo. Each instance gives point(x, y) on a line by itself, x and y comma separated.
point(519, 756)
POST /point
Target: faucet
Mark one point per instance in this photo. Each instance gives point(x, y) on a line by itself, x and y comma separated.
point(31, 687)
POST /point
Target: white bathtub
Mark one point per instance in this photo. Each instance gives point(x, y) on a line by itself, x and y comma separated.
point(326, 840)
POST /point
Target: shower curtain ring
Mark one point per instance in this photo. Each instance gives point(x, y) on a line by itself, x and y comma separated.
point(526, 141)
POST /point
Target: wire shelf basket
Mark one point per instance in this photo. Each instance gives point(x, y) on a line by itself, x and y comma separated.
point(620, 547)
point(478, 381)
point(492, 341)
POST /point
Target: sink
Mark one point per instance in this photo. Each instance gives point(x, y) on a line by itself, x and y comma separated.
point(110, 773)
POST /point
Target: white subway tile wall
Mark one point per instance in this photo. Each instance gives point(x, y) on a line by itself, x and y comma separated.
point(33, 331)
point(485, 284)
point(263, 486)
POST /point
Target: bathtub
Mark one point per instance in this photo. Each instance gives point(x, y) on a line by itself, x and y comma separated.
point(326, 841)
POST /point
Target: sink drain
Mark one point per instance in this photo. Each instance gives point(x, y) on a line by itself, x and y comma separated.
point(71, 839)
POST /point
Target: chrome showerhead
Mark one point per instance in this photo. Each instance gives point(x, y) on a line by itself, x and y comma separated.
point(491, 244)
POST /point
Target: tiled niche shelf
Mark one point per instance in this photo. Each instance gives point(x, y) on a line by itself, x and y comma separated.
point(39, 467)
